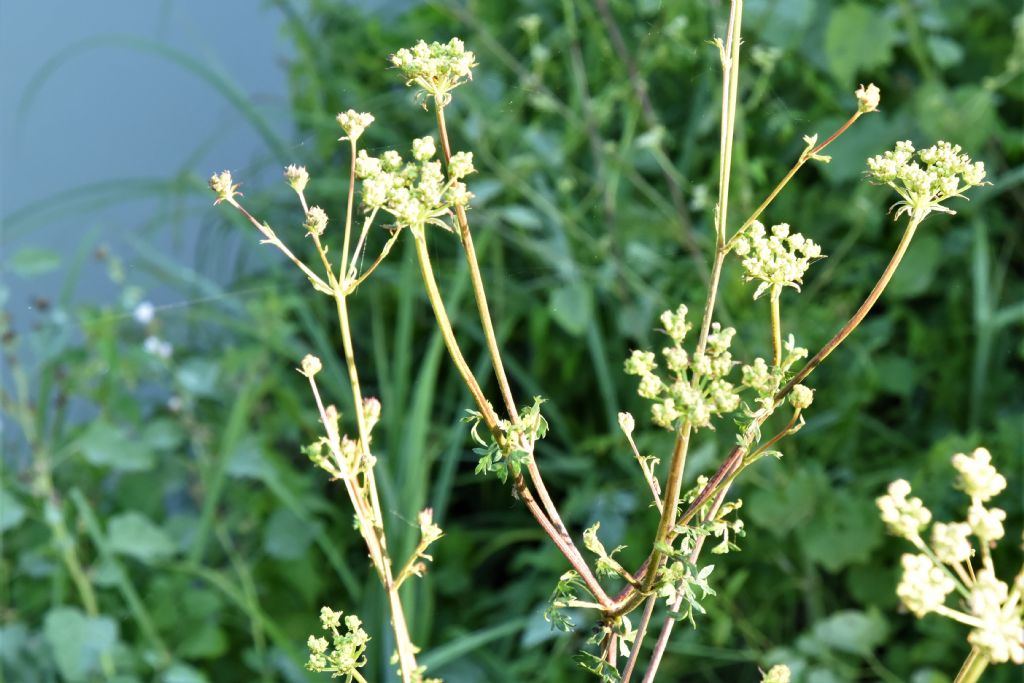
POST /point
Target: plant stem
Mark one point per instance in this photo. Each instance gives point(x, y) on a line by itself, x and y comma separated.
point(669, 622)
point(730, 55)
point(641, 631)
point(480, 294)
point(858, 317)
point(559, 536)
point(805, 156)
point(776, 326)
point(974, 665)
point(403, 642)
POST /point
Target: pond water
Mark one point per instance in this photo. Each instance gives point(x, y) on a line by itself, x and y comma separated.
point(104, 105)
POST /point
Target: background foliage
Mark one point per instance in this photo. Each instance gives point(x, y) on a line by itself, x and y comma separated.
point(173, 492)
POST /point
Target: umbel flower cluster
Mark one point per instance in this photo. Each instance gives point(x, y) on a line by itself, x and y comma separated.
point(416, 192)
point(697, 389)
point(992, 609)
point(926, 178)
point(437, 68)
point(778, 260)
point(343, 655)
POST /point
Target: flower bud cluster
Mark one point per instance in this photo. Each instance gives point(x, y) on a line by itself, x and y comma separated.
point(868, 98)
point(924, 182)
point(905, 516)
point(344, 654)
point(415, 192)
point(924, 585)
point(766, 380)
point(778, 260)
point(297, 177)
point(437, 68)
point(353, 123)
point(993, 611)
point(316, 221)
point(223, 186)
point(978, 478)
point(697, 390)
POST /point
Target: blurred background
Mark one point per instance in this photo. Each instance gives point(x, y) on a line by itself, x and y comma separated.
point(158, 519)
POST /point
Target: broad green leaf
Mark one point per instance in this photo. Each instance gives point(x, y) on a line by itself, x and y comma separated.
point(163, 434)
point(858, 40)
point(183, 673)
point(134, 535)
point(965, 115)
point(285, 536)
point(790, 501)
point(30, 261)
point(12, 512)
point(571, 307)
point(852, 631)
point(846, 530)
point(77, 641)
point(199, 377)
point(779, 23)
point(108, 445)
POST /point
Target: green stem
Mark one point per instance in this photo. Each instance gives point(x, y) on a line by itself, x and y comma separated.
point(776, 326)
point(974, 665)
point(403, 641)
point(480, 294)
point(559, 536)
point(730, 55)
point(862, 312)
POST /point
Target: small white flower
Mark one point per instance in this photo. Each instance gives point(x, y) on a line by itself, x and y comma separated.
point(951, 542)
point(923, 586)
point(158, 347)
point(868, 98)
point(1001, 635)
point(777, 260)
point(978, 478)
point(354, 123)
point(144, 313)
point(987, 523)
point(905, 517)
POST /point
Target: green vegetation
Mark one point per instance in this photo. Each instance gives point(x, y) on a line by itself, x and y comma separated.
point(160, 521)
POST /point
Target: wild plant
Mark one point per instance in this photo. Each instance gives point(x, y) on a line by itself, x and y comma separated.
point(694, 383)
point(993, 610)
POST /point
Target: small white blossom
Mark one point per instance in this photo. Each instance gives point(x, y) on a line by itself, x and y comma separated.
point(158, 347)
point(905, 517)
point(779, 673)
point(868, 98)
point(461, 165)
point(297, 177)
point(437, 68)
point(923, 586)
point(778, 260)
point(801, 397)
point(951, 542)
point(221, 183)
point(311, 365)
point(423, 148)
point(353, 123)
point(144, 313)
point(987, 523)
point(1001, 635)
point(316, 221)
point(978, 478)
point(626, 423)
point(926, 183)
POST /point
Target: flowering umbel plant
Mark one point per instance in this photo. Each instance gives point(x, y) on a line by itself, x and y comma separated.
point(951, 565)
point(694, 384)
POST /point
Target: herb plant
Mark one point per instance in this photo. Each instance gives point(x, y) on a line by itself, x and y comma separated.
point(428, 196)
